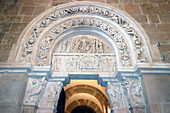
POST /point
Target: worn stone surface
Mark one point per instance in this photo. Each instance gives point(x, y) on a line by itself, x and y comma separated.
point(27, 10)
point(12, 90)
point(166, 108)
point(164, 27)
point(140, 18)
point(39, 10)
point(157, 88)
point(153, 19)
point(157, 37)
point(27, 19)
point(165, 18)
point(5, 51)
point(132, 9)
point(18, 27)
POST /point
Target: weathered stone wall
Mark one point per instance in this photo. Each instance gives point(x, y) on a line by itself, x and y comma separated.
point(153, 15)
point(12, 90)
point(157, 89)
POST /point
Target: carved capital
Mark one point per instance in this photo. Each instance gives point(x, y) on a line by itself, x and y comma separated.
point(35, 90)
point(134, 91)
point(51, 94)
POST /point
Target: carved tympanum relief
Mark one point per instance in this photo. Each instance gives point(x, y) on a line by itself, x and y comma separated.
point(84, 54)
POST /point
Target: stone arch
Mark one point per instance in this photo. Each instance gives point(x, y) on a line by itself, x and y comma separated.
point(40, 39)
point(43, 30)
point(87, 89)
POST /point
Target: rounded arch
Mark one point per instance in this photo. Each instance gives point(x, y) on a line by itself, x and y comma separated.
point(127, 38)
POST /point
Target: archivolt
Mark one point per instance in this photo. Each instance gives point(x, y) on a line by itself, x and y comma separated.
point(43, 33)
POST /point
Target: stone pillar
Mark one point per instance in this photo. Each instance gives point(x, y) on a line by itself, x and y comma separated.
point(49, 100)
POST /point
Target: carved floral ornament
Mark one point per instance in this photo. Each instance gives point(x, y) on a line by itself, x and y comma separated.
point(34, 36)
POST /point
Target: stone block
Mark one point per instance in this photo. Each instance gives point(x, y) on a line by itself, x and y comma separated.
point(9, 1)
point(164, 27)
point(27, 10)
point(10, 107)
point(27, 19)
point(157, 37)
point(1, 18)
point(5, 51)
point(166, 55)
point(10, 38)
point(1, 36)
point(12, 87)
point(5, 27)
point(157, 1)
point(12, 19)
point(150, 27)
point(155, 108)
point(2, 7)
point(12, 9)
point(55, 3)
point(39, 10)
point(28, 109)
point(140, 18)
point(112, 1)
point(157, 88)
point(165, 18)
point(149, 8)
point(153, 19)
point(164, 47)
point(126, 1)
point(18, 27)
point(131, 9)
point(141, 1)
point(166, 108)
point(164, 8)
point(138, 110)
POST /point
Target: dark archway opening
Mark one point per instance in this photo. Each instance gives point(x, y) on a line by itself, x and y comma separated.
point(83, 109)
point(61, 102)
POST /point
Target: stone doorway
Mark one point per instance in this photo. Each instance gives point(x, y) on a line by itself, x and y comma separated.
point(87, 93)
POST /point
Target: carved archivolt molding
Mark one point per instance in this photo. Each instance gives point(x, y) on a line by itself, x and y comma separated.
point(43, 32)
